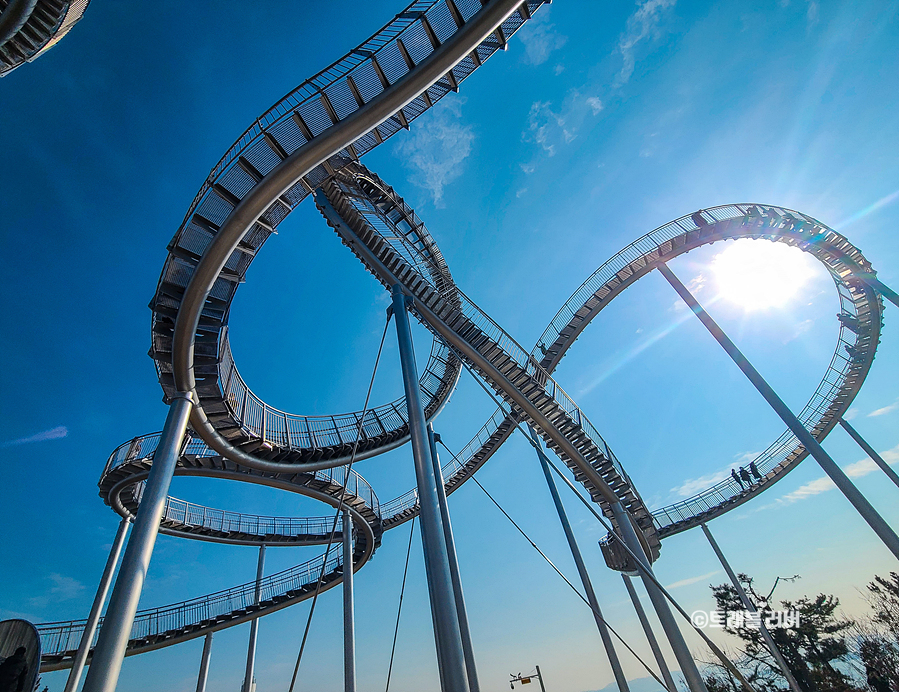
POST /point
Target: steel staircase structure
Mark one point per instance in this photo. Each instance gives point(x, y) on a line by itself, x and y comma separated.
point(364, 212)
point(29, 28)
point(154, 628)
point(424, 53)
point(330, 120)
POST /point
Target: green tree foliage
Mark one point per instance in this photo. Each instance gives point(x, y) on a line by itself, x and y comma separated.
point(811, 650)
point(876, 643)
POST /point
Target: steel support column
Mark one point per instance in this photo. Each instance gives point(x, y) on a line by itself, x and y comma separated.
point(750, 606)
point(669, 625)
point(106, 663)
point(448, 638)
point(254, 626)
point(204, 663)
point(467, 648)
point(90, 627)
point(869, 450)
point(840, 479)
point(604, 635)
point(883, 289)
point(650, 635)
point(349, 626)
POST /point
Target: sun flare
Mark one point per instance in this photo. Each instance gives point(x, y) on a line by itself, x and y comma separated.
point(760, 274)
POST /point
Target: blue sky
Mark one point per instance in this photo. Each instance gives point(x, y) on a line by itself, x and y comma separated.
point(601, 122)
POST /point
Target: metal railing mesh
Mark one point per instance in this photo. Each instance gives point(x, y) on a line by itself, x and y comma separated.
point(58, 638)
point(840, 373)
point(194, 516)
point(144, 447)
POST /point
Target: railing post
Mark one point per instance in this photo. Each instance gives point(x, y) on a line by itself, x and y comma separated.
point(87, 635)
point(836, 474)
point(110, 650)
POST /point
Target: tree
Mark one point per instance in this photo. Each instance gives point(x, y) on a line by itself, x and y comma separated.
point(876, 642)
point(811, 649)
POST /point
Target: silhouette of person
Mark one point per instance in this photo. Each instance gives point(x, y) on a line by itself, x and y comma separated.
point(13, 672)
point(736, 478)
point(753, 469)
point(698, 219)
point(744, 474)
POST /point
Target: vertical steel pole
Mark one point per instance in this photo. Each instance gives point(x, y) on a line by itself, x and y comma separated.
point(204, 663)
point(540, 678)
point(254, 625)
point(451, 659)
point(750, 606)
point(467, 648)
point(90, 627)
point(604, 635)
point(106, 663)
point(669, 625)
point(869, 450)
point(840, 479)
point(650, 635)
point(349, 627)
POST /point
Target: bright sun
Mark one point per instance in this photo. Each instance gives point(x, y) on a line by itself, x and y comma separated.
point(761, 274)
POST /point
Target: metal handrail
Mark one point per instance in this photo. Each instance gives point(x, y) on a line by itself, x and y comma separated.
point(60, 637)
point(144, 446)
point(785, 450)
point(190, 514)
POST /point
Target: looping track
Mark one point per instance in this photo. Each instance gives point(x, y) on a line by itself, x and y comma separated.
point(404, 69)
point(310, 142)
point(298, 144)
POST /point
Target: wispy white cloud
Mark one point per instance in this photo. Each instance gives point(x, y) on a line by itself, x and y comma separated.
point(885, 410)
point(545, 127)
point(850, 414)
point(528, 168)
point(521, 192)
point(56, 433)
point(437, 149)
point(811, 13)
point(540, 39)
point(641, 25)
point(857, 469)
point(551, 128)
point(65, 587)
point(798, 330)
point(696, 286)
point(692, 580)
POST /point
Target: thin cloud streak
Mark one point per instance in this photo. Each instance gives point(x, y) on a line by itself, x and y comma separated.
point(640, 26)
point(56, 433)
point(692, 580)
point(858, 469)
point(885, 410)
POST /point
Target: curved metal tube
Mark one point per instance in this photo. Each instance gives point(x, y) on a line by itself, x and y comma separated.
point(283, 177)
